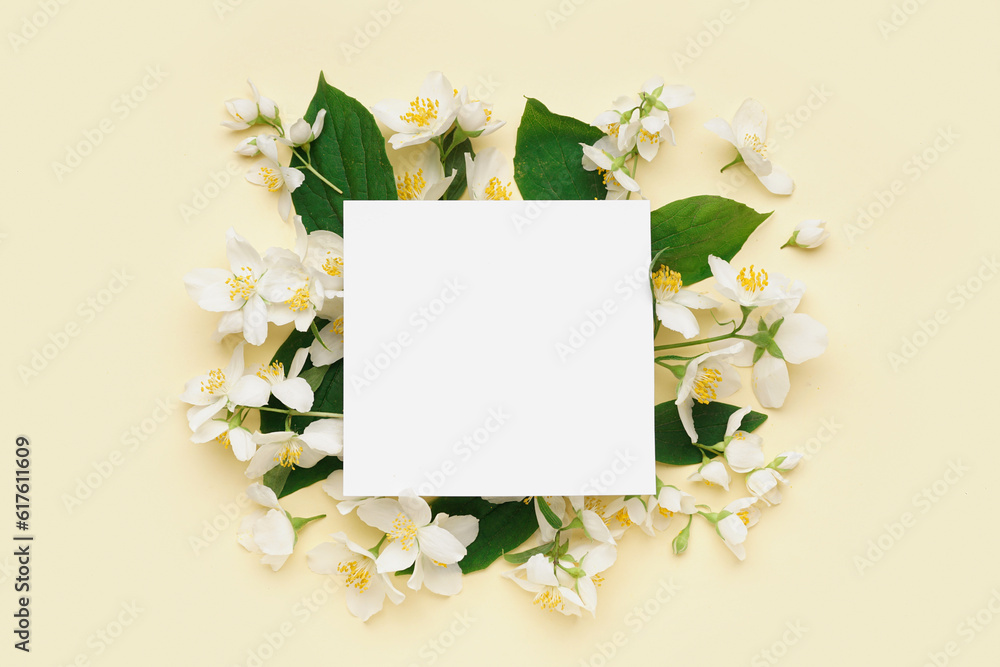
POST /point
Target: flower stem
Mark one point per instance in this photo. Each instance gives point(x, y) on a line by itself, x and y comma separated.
point(688, 343)
point(736, 160)
point(307, 163)
point(731, 334)
point(296, 413)
point(374, 549)
point(635, 166)
point(315, 332)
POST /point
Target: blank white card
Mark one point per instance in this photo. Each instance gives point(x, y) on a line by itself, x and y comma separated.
point(498, 348)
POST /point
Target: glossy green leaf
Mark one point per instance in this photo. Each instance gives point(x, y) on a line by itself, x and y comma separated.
point(328, 397)
point(686, 232)
point(673, 445)
point(349, 152)
point(548, 157)
point(456, 162)
point(502, 527)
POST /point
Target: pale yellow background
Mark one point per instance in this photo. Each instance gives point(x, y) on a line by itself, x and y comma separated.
point(885, 98)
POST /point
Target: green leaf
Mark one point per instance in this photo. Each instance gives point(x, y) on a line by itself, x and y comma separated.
point(548, 157)
point(299, 522)
point(328, 397)
point(502, 527)
point(314, 376)
point(300, 478)
point(547, 512)
point(524, 556)
point(456, 161)
point(673, 445)
point(687, 231)
point(349, 152)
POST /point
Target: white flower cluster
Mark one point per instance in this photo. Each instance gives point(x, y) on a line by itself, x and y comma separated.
point(269, 171)
point(281, 287)
point(426, 131)
point(431, 545)
point(766, 342)
point(578, 536)
point(633, 128)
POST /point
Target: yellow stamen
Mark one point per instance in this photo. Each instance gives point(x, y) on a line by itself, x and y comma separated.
point(299, 301)
point(338, 326)
point(241, 285)
point(666, 513)
point(596, 505)
point(404, 530)
point(752, 281)
point(612, 129)
point(755, 144)
point(273, 372)
point(598, 580)
point(214, 382)
point(623, 517)
point(334, 266)
point(288, 456)
point(649, 136)
point(744, 516)
point(422, 112)
point(706, 384)
point(549, 600)
point(358, 577)
point(223, 439)
point(609, 178)
point(496, 191)
point(666, 283)
point(410, 186)
point(272, 178)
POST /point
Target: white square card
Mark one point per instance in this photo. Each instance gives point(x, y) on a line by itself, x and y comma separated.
point(498, 348)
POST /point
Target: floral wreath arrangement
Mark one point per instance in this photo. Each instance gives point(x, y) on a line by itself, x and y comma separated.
point(337, 152)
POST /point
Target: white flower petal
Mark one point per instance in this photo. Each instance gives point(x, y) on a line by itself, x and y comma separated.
point(770, 381)
point(801, 338)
